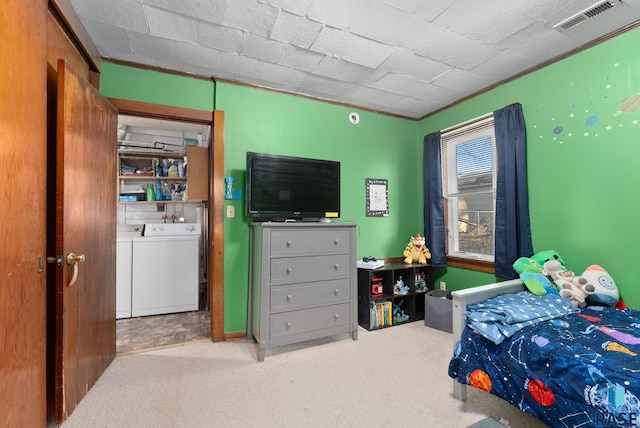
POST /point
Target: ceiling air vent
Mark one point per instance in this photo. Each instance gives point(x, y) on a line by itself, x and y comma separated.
point(585, 15)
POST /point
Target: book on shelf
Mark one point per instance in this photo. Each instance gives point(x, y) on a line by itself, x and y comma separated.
point(381, 314)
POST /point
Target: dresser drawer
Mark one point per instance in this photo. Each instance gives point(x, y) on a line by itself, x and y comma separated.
point(298, 296)
point(307, 269)
point(286, 243)
point(296, 322)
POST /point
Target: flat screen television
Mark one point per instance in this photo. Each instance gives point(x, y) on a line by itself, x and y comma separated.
point(281, 188)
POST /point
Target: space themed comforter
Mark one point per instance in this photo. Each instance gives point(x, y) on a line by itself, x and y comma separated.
point(576, 370)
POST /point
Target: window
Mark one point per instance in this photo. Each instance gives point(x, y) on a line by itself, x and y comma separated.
point(469, 166)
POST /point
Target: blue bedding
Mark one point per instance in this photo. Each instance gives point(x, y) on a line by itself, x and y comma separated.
point(500, 317)
point(577, 370)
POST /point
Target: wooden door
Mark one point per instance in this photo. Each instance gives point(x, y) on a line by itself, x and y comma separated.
point(23, 150)
point(85, 226)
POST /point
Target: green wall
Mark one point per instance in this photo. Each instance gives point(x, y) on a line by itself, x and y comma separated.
point(582, 117)
point(378, 147)
point(583, 141)
point(128, 83)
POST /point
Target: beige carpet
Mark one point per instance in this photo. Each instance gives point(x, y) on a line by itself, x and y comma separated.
point(395, 377)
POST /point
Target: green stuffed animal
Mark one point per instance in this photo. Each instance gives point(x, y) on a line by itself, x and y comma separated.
point(531, 273)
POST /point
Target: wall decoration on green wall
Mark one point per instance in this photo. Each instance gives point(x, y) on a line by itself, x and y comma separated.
point(377, 197)
point(599, 104)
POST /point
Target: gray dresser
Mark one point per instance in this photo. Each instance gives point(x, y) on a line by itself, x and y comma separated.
point(302, 283)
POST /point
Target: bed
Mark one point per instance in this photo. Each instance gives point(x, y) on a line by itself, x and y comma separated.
point(579, 369)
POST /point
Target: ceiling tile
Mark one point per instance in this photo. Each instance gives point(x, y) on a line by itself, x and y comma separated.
point(538, 43)
point(218, 37)
point(351, 47)
point(262, 48)
point(403, 85)
point(299, 7)
point(323, 86)
point(111, 36)
point(295, 30)
point(503, 65)
point(211, 11)
point(122, 13)
point(128, 55)
point(337, 13)
point(459, 50)
point(171, 25)
point(403, 57)
point(411, 64)
point(300, 59)
point(360, 94)
point(408, 104)
point(462, 81)
point(342, 70)
point(196, 55)
point(425, 9)
point(150, 45)
point(249, 15)
point(392, 26)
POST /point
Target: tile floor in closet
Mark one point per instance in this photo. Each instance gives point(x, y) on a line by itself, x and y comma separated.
point(145, 333)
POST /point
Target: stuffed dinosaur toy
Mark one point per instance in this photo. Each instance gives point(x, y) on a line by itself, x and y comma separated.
point(531, 274)
point(416, 251)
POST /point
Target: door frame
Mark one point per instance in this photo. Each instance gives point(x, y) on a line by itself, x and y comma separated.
point(215, 202)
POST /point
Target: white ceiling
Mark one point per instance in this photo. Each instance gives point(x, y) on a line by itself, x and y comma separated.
point(402, 57)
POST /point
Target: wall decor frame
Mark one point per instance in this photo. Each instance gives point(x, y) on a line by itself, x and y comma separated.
point(377, 197)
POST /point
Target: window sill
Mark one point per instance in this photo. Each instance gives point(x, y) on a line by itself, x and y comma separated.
point(471, 264)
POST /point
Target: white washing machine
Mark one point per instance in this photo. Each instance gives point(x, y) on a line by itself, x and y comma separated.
point(127, 233)
point(165, 269)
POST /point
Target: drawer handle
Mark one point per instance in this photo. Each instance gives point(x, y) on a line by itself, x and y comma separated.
point(289, 297)
point(289, 270)
point(289, 243)
point(336, 266)
point(335, 316)
point(336, 241)
point(336, 291)
point(288, 324)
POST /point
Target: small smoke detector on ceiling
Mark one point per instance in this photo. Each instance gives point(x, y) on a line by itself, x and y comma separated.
point(585, 15)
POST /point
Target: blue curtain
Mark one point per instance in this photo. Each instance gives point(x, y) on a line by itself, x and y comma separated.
point(434, 221)
point(512, 223)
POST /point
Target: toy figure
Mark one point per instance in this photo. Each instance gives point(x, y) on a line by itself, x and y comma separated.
point(416, 251)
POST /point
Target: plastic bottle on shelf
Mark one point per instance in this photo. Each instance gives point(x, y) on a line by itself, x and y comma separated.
point(150, 193)
point(158, 168)
point(159, 195)
point(165, 167)
point(173, 169)
point(166, 192)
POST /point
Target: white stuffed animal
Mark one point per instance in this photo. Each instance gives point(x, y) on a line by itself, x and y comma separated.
point(574, 288)
point(605, 290)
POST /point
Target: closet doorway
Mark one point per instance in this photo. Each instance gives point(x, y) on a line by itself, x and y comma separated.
point(190, 325)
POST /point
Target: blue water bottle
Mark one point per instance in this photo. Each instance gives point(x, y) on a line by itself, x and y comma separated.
point(158, 191)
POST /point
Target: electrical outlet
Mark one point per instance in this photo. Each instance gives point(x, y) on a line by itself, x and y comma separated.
point(231, 211)
point(443, 285)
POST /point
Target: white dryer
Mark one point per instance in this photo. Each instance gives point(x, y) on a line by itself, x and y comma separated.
point(165, 269)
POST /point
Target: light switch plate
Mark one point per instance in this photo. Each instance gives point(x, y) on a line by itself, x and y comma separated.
point(231, 211)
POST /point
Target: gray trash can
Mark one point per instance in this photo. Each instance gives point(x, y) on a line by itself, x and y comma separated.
point(438, 310)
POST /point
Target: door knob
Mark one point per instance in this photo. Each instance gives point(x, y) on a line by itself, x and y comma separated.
point(72, 258)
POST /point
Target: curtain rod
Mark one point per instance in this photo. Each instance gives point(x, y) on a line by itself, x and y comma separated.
point(467, 123)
